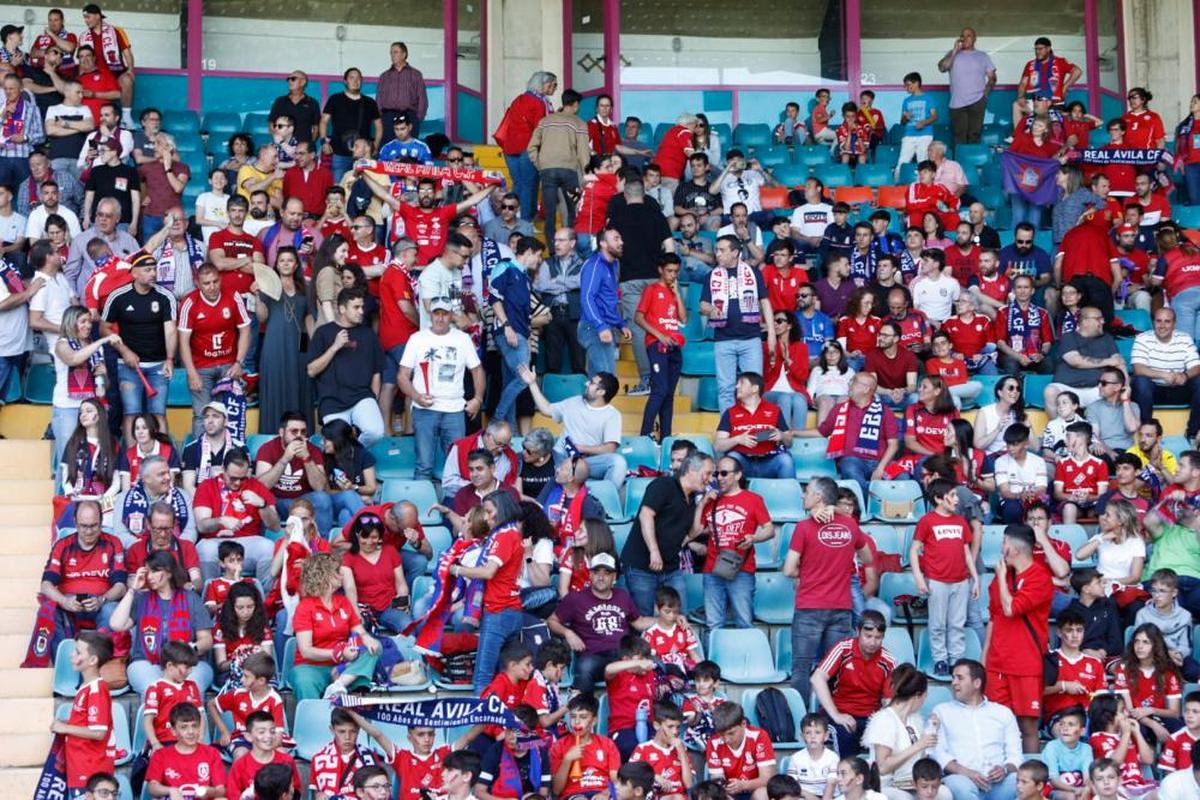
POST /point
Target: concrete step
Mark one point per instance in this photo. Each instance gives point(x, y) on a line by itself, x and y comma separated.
point(12, 653)
point(19, 492)
point(21, 566)
point(18, 457)
point(26, 748)
point(19, 592)
point(19, 782)
point(635, 405)
point(18, 621)
point(29, 513)
point(25, 714)
point(25, 540)
point(25, 683)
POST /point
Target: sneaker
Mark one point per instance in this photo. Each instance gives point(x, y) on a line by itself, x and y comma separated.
point(334, 689)
point(941, 670)
point(640, 390)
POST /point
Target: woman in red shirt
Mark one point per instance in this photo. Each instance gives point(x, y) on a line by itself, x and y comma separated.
point(1179, 275)
point(786, 379)
point(927, 426)
point(1187, 150)
point(373, 575)
point(602, 131)
point(600, 184)
point(329, 634)
point(515, 131)
point(1037, 143)
point(1143, 127)
point(1149, 681)
point(148, 440)
point(858, 331)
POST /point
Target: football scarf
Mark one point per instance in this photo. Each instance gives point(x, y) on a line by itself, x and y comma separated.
point(52, 783)
point(455, 174)
point(475, 442)
point(164, 621)
point(868, 431)
point(1025, 328)
point(81, 381)
point(446, 712)
point(38, 654)
point(1135, 156)
point(135, 511)
point(744, 291)
point(447, 590)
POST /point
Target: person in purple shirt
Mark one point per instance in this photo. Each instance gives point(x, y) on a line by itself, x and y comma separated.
point(834, 290)
point(594, 619)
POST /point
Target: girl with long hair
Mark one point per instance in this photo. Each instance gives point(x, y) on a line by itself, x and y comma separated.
point(858, 780)
point(373, 576)
point(1150, 683)
point(241, 628)
point(78, 368)
point(349, 468)
point(327, 277)
point(927, 426)
point(594, 537)
point(898, 736)
point(858, 330)
point(829, 381)
point(1120, 555)
point(148, 440)
point(88, 467)
point(1114, 731)
point(786, 376)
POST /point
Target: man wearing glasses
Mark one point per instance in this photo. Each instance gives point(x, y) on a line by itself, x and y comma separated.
point(1023, 257)
point(502, 227)
point(1084, 356)
point(308, 180)
point(558, 284)
point(234, 505)
point(263, 175)
point(303, 109)
point(816, 327)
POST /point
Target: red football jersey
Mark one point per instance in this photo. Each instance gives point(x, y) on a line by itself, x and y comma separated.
point(201, 767)
point(241, 704)
point(996, 287)
point(235, 245)
point(860, 337)
point(660, 306)
point(629, 693)
point(428, 228)
point(969, 338)
point(666, 765)
point(74, 570)
point(1086, 670)
point(673, 646)
point(213, 327)
point(953, 372)
point(741, 763)
point(1147, 693)
point(858, 684)
point(240, 785)
point(218, 589)
point(929, 429)
point(1103, 744)
point(594, 771)
point(416, 772)
point(1177, 752)
point(161, 696)
point(92, 708)
point(1087, 475)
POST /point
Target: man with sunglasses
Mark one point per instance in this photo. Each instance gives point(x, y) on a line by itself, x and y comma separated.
point(1023, 257)
point(303, 109)
point(235, 505)
point(509, 221)
point(815, 325)
point(854, 679)
point(348, 114)
point(308, 180)
point(496, 438)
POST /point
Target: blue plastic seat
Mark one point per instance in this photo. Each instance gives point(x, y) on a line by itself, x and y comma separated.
point(990, 174)
point(1125, 348)
point(834, 175)
point(440, 539)
point(783, 650)
point(66, 679)
point(893, 584)
point(925, 649)
point(744, 655)
point(310, 728)
point(139, 733)
point(812, 155)
point(853, 486)
point(395, 457)
point(420, 493)
point(699, 359)
point(258, 125)
point(782, 496)
point(1074, 535)
point(39, 384)
point(124, 790)
point(1176, 444)
point(987, 395)
point(972, 154)
point(181, 121)
point(992, 545)
point(877, 174)
point(561, 387)
point(635, 489)
point(639, 451)
point(774, 598)
point(1187, 216)
point(606, 492)
point(770, 156)
point(897, 642)
point(1137, 318)
point(1033, 388)
point(752, 134)
point(791, 175)
point(224, 123)
point(766, 553)
point(887, 540)
point(703, 444)
point(938, 693)
point(706, 395)
point(178, 394)
point(189, 143)
point(620, 532)
point(256, 440)
point(896, 492)
point(992, 197)
point(808, 455)
point(289, 661)
point(795, 705)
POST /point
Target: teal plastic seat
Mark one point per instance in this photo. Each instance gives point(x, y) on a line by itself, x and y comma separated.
point(744, 655)
point(938, 693)
point(834, 175)
point(620, 533)
point(289, 661)
point(766, 553)
point(795, 705)
point(635, 489)
point(66, 679)
point(972, 154)
point(1125, 348)
point(602, 712)
point(894, 584)
point(706, 395)
point(311, 728)
point(774, 598)
point(139, 733)
point(699, 359)
point(925, 649)
point(812, 155)
point(908, 173)
point(877, 174)
point(897, 642)
point(752, 134)
point(791, 175)
point(561, 387)
point(1138, 318)
point(124, 790)
point(1033, 388)
point(887, 540)
point(606, 492)
point(1074, 535)
point(256, 440)
point(782, 496)
point(783, 651)
point(991, 196)
point(39, 384)
point(224, 123)
point(395, 457)
point(189, 143)
point(1187, 216)
point(258, 125)
point(808, 456)
point(178, 394)
point(987, 395)
point(771, 156)
point(639, 451)
point(895, 492)
point(440, 539)
point(420, 493)
point(1176, 444)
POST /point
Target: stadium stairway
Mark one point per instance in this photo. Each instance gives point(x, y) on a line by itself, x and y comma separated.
point(26, 704)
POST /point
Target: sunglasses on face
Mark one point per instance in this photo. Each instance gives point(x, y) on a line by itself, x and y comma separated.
point(507, 207)
point(725, 473)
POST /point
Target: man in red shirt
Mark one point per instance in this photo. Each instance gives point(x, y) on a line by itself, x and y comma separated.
point(1046, 74)
point(164, 535)
point(214, 336)
point(505, 559)
point(308, 180)
point(293, 467)
point(895, 368)
point(969, 332)
point(1017, 636)
point(674, 150)
point(739, 754)
point(99, 86)
point(235, 252)
point(1088, 259)
point(735, 520)
point(399, 318)
point(963, 257)
point(234, 505)
point(367, 253)
point(426, 223)
point(990, 287)
point(1023, 334)
point(754, 433)
point(854, 679)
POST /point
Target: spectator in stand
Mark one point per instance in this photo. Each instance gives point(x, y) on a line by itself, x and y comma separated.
point(78, 362)
point(925, 195)
point(559, 151)
point(693, 195)
point(1113, 415)
point(786, 381)
point(154, 484)
point(235, 505)
point(496, 438)
point(299, 107)
point(984, 234)
point(897, 748)
point(1038, 143)
point(895, 367)
point(601, 320)
point(949, 173)
point(212, 345)
point(67, 126)
point(264, 174)
point(347, 115)
point(735, 301)
point(1084, 353)
point(816, 327)
point(558, 286)
point(516, 131)
point(829, 382)
point(822, 132)
point(346, 365)
point(401, 89)
point(1187, 149)
point(87, 466)
point(591, 425)
point(821, 557)
point(834, 290)
point(661, 313)
point(70, 191)
point(292, 467)
point(307, 180)
point(1021, 477)
point(863, 437)
point(972, 77)
point(675, 148)
point(754, 432)
point(1143, 127)
point(1023, 334)
point(163, 527)
point(603, 135)
point(978, 742)
point(933, 290)
point(854, 679)
point(917, 115)
point(812, 217)
point(782, 275)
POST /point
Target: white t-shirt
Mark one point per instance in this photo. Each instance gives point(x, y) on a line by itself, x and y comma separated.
point(12, 227)
point(742, 189)
point(814, 774)
point(543, 553)
point(1179, 785)
point(811, 219)
point(988, 418)
point(437, 280)
point(1116, 560)
point(14, 327)
point(831, 383)
point(1031, 474)
point(254, 226)
point(438, 364)
point(887, 728)
point(35, 225)
point(934, 297)
point(586, 425)
point(53, 299)
point(210, 205)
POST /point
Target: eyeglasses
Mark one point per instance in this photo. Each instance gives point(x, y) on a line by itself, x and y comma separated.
point(725, 473)
point(780, 320)
point(508, 207)
point(378, 787)
point(454, 160)
point(1110, 383)
point(804, 295)
point(293, 78)
point(281, 126)
point(1024, 241)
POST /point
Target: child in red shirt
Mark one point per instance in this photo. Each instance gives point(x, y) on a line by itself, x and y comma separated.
point(1177, 751)
point(661, 313)
point(332, 767)
point(256, 695)
point(542, 692)
point(853, 135)
point(260, 731)
point(583, 761)
point(1080, 478)
point(170, 690)
point(666, 754)
point(1115, 733)
point(420, 769)
point(188, 765)
point(516, 667)
point(698, 707)
point(1080, 676)
point(231, 555)
point(88, 728)
point(1148, 681)
point(630, 681)
point(943, 566)
point(739, 754)
point(671, 640)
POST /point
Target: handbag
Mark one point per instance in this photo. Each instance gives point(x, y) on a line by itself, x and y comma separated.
point(728, 564)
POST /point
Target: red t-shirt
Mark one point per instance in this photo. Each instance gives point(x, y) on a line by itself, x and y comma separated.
point(1177, 752)
point(826, 558)
point(104, 281)
point(98, 81)
point(162, 696)
point(241, 704)
point(1182, 271)
point(74, 570)
point(218, 589)
point(1086, 670)
point(1144, 129)
point(183, 550)
point(930, 429)
point(541, 695)
point(213, 326)
point(308, 187)
point(859, 684)
point(1029, 343)
point(914, 330)
point(943, 538)
point(742, 763)
point(92, 708)
point(596, 767)
point(293, 481)
point(330, 627)
point(668, 769)
point(501, 593)
point(395, 328)
point(969, 338)
point(1086, 475)
point(734, 518)
point(1088, 250)
point(329, 765)
point(502, 686)
point(628, 693)
point(1011, 651)
point(660, 307)
point(427, 227)
point(240, 784)
point(782, 291)
point(892, 372)
point(1147, 694)
point(738, 420)
point(965, 266)
point(1081, 129)
point(234, 245)
point(673, 646)
point(593, 203)
point(416, 772)
point(953, 372)
point(375, 254)
point(376, 583)
point(201, 767)
point(1104, 744)
point(224, 502)
point(672, 152)
point(861, 337)
point(996, 287)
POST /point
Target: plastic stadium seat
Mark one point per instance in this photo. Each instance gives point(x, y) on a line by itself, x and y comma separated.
point(1137, 318)
point(699, 359)
point(992, 545)
point(774, 198)
point(694, 602)
point(440, 539)
point(990, 174)
point(706, 395)
point(877, 174)
point(908, 173)
point(795, 705)
point(66, 679)
point(1032, 392)
point(834, 175)
point(311, 728)
point(892, 197)
point(744, 655)
point(723, 130)
point(289, 661)
point(900, 645)
point(854, 195)
point(257, 124)
point(420, 493)
point(809, 457)
point(560, 387)
point(925, 649)
point(225, 123)
point(188, 143)
point(606, 492)
point(783, 650)
point(895, 492)
point(790, 174)
point(1187, 216)
point(886, 154)
point(938, 693)
point(766, 554)
point(782, 496)
point(39, 384)
point(635, 488)
point(178, 394)
point(752, 134)
point(894, 584)
point(620, 532)
point(124, 790)
point(774, 598)
point(992, 197)
point(1176, 444)
point(812, 155)
point(602, 711)
point(257, 440)
point(139, 735)
point(887, 540)
point(395, 457)
point(993, 135)
point(972, 154)
point(639, 451)
point(1125, 348)
point(180, 122)
point(773, 155)
point(703, 444)
point(853, 486)
point(1075, 535)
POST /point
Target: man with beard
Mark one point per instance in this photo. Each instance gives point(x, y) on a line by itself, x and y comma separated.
point(990, 288)
point(426, 223)
point(234, 251)
point(261, 215)
point(1023, 257)
point(291, 231)
point(1135, 264)
point(263, 174)
point(601, 322)
point(963, 257)
point(816, 327)
point(308, 180)
point(887, 277)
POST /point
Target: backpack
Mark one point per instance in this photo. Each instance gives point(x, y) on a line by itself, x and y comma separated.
point(775, 715)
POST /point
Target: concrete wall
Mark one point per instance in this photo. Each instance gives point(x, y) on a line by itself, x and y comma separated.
point(524, 36)
point(1160, 54)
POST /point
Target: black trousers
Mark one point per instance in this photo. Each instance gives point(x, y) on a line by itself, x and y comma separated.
point(561, 338)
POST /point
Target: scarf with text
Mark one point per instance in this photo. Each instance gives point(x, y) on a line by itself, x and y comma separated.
point(135, 511)
point(166, 260)
point(570, 515)
point(52, 783)
point(744, 290)
point(232, 392)
point(1070, 322)
point(164, 621)
point(81, 381)
point(446, 592)
point(869, 430)
point(205, 470)
point(1134, 156)
point(444, 712)
point(1024, 328)
point(455, 174)
point(110, 44)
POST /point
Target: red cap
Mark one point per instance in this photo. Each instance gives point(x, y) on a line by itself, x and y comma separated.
point(1121, 229)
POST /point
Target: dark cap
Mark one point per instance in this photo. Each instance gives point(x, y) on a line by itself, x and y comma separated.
point(8, 30)
point(92, 8)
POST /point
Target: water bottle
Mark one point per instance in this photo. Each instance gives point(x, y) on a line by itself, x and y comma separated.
point(642, 728)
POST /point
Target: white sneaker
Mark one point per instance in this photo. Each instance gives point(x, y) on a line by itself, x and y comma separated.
point(333, 690)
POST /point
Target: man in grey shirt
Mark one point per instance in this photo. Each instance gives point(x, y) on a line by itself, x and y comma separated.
point(79, 267)
point(972, 76)
point(557, 284)
point(1083, 355)
point(1114, 417)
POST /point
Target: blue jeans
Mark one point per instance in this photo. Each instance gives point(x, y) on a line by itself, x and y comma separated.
point(665, 366)
point(735, 356)
point(494, 631)
point(794, 408)
point(1025, 211)
point(10, 370)
point(589, 669)
point(150, 226)
point(693, 270)
point(512, 358)
point(322, 503)
point(525, 183)
point(414, 564)
point(814, 631)
point(393, 619)
point(13, 170)
point(601, 357)
point(963, 788)
point(436, 431)
point(1191, 177)
point(133, 394)
point(340, 166)
point(63, 422)
point(1187, 311)
point(1146, 393)
point(609, 466)
point(857, 469)
point(643, 584)
point(719, 594)
point(776, 465)
point(345, 504)
point(208, 379)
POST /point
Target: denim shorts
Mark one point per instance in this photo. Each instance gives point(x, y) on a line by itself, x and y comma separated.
point(133, 394)
point(391, 364)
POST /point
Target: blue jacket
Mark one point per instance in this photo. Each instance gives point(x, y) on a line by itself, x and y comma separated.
point(598, 293)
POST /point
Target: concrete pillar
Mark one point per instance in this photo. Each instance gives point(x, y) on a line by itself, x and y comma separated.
point(1160, 54)
point(523, 36)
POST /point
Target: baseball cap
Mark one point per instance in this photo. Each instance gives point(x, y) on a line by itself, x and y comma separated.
point(217, 406)
point(1126, 229)
point(10, 29)
point(92, 8)
point(441, 304)
point(603, 560)
point(402, 116)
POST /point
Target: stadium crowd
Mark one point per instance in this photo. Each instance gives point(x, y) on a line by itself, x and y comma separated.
point(378, 290)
